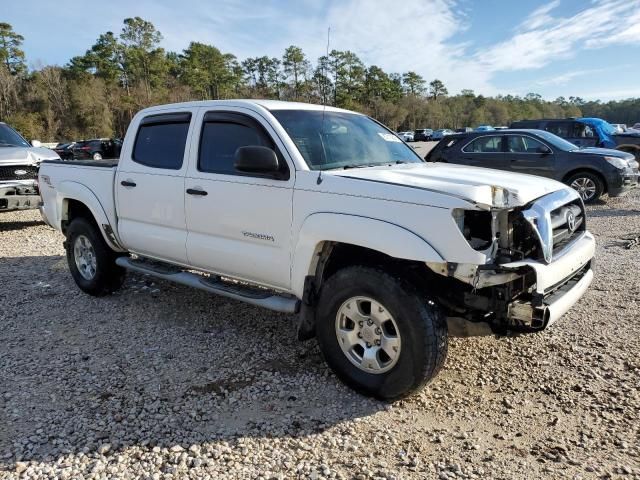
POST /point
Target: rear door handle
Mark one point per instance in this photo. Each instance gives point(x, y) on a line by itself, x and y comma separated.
point(127, 183)
point(193, 191)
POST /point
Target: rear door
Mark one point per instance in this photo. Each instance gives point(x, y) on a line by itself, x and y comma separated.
point(150, 187)
point(484, 151)
point(526, 154)
point(239, 224)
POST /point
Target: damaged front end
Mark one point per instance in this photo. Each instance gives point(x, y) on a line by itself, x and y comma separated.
point(539, 263)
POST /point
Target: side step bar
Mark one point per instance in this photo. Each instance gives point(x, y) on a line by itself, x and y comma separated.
point(251, 295)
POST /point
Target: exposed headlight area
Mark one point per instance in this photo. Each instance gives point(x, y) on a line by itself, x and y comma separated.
point(475, 226)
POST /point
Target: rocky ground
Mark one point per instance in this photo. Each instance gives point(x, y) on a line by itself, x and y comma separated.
point(160, 381)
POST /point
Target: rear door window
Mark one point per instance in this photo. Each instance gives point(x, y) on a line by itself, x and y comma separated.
point(489, 144)
point(561, 129)
point(161, 141)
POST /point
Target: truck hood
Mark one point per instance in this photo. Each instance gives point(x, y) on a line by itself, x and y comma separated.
point(483, 186)
point(26, 155)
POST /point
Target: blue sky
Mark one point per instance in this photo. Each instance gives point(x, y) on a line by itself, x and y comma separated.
point(553, 47)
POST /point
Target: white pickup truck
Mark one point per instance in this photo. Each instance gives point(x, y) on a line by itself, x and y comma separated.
point(326, 213)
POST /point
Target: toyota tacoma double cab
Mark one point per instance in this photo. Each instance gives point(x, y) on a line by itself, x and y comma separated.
point(19, 163)
point(327, 214)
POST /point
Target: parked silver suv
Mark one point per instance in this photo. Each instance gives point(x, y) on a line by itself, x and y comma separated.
point(19, 163)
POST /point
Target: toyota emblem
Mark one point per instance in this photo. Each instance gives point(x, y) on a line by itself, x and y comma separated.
point(20, 172)
point(571, 221)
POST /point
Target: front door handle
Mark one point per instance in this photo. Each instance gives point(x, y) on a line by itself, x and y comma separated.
point(193, 191)
point(127, 183)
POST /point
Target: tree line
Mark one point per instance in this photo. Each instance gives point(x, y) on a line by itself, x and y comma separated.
point(97, 94)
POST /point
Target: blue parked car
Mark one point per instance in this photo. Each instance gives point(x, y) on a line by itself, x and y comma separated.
point(484, 128)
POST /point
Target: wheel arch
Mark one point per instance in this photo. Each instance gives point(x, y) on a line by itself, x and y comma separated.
point(325, 235)
point(78, 200)
point(592, 171)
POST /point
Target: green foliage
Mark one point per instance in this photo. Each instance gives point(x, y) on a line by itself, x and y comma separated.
point(97, 94)
point(11, 55)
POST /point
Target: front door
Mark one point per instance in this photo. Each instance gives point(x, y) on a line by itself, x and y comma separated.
point(526, 154)
point(150, 188)
point(238, 224)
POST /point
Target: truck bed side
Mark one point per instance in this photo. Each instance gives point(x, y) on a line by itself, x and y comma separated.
point(88, 182)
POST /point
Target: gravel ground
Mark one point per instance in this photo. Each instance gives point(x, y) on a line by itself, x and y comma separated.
point(160, 381)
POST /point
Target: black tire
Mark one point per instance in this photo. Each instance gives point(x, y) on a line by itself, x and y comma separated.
point(108, 276)
point(585, 178)
point(422, 329)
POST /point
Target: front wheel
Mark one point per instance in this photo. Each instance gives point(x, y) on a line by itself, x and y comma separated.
point(588, 185)
point(97, 156)
point(91, 261)
point(378, 334)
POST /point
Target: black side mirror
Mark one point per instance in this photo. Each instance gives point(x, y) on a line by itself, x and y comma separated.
point(255, 159)
point(544, 150)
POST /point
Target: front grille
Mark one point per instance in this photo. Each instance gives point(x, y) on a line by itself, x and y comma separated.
point(567, 222)
point(18, 172)
point(548, 225)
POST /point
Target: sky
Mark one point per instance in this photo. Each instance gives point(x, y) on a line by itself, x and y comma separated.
point(584, 48)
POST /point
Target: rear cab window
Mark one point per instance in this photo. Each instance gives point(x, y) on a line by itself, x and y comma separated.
point(161, 139)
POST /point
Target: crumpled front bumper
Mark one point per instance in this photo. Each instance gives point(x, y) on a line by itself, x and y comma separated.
point(21, 195)
point(558, 285)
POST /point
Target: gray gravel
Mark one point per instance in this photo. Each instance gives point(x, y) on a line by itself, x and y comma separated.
point(163, 382)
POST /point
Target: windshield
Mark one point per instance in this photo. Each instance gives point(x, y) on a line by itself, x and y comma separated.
point(557, 141)
point(343, 140)
point(10, 138)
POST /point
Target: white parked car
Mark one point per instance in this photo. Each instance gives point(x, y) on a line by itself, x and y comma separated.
point(406, 136)
point(19, 162)
point(325, 213)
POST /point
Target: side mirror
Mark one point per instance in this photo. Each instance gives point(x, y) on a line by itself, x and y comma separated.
point(544, 150)
point(36, 143)
point(255, 159)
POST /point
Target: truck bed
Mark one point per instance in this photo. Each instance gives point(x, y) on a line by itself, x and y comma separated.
point(80, 176)
point(109, 163)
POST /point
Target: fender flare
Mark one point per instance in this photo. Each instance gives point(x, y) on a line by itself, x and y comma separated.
point(69, 190)
point(379, 235)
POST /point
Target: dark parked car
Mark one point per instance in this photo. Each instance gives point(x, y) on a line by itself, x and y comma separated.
point(587, 132)
point(422, 135)
point(591, 171)
point(65, 150)
point(97, 149)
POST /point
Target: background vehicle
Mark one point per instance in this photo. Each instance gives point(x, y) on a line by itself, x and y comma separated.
point(322, 211)
point(97, 149)
point(619, 127)
point(464, 130)
point(65, 150)
point(406, 136)
point(587, 132)
point(422, 135)
point(636, 126)
point(19, 162)
point(590, 171)
point(484, 128)
point(441, 133)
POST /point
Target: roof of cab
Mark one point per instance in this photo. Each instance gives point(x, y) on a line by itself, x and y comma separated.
point(266, 104)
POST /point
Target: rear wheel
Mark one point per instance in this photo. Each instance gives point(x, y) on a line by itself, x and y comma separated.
point(588, 185)
point(378, 334)
point(91, 261)
point(97, 156)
